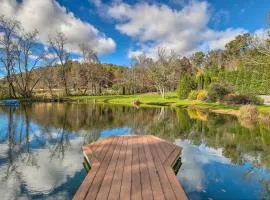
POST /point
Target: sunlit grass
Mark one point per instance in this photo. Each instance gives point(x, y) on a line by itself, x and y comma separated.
point(150, 99)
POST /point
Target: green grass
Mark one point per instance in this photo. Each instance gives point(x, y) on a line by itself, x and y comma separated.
point(150, 100)
point(264, 108)
point(155, 100)
point(145, 99)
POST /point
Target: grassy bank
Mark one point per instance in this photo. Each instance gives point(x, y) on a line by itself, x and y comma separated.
point(155, 100)
point(150, 100)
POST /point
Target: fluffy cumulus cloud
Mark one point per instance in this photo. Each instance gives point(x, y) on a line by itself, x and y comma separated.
point(49, 17)
point(184, 30)
point(47, 173)
point(218, 39)
point(194, 159)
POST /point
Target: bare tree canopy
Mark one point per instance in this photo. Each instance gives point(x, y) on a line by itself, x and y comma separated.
point(19, 56)
point(62, 56)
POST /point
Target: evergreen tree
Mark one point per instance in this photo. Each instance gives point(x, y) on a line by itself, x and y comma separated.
point(200, 80)
point(185, 86)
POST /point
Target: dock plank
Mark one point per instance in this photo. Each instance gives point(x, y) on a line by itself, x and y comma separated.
point(131, 167)
point(136, 191)
point(147, 193)
point(154, 179)
point(166, 147)
point(117, 179)
point(126, 180)
point(108, 178)
point(173, 156)
point(165, 183)
point(93, 191)
point(84, 188)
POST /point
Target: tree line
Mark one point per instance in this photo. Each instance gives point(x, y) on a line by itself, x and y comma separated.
point(28, 68)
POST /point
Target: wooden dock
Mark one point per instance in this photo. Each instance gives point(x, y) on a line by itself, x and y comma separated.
point(131, 167)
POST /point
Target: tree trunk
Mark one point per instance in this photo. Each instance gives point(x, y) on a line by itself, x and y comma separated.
point(162, 92)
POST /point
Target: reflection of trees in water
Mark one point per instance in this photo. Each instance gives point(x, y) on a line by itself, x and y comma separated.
point(224, 131)
point(27, 155)
point(17, 137)
point(91, 119)
point(11, 167)
point(217, 131)
point(62, 142)
point(57, 123)
point(21, 139)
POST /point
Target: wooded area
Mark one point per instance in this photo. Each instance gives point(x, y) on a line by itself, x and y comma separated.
point(29, 69)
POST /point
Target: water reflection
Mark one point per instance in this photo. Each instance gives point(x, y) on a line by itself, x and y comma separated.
point(40, 148)
point(37, 161)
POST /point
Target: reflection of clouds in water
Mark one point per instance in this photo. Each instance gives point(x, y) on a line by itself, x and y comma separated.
point(194, 158)
point(46, 175)
point(9, 188)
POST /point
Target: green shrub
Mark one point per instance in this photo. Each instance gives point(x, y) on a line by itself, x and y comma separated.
point(243, 99)
point(255, 100)
point(185, 86)
point(218, 91)
point(202, 95)
point(193, 95)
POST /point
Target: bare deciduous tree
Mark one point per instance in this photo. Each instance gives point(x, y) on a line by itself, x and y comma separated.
point(162, 72)
point(88, 55)
point(8, 44)
point(19, 55)
point(58, 44)
point(88, 67)
point(28, 56)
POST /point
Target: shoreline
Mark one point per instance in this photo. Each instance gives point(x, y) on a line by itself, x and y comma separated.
point(148, 100)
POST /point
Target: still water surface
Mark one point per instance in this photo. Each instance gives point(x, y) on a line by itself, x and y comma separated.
point(41, 157)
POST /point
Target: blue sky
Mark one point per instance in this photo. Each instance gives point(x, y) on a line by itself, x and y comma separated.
point(122, 29)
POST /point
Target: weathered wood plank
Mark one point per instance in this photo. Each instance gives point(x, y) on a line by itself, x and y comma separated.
point(177, 188)
point(154, 179)
point(136, 190)
point(126, 181)
point(173, 156)
point(108, 177)
point(165, 183)
point(118, 174)
point(102, 148)
point(93, 191)
point(131, 167)
point(145, 179)
point(84, 188)
point(166, 147)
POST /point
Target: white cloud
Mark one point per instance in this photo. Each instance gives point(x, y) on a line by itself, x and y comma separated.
point(194, 158)
point(46, 175)
point(48, 17)
point(218, 39)
point(183, 30)
point(134, 54)
point(262, 34)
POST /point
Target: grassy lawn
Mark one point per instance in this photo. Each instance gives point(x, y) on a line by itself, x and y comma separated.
point(154, 100)
point(145, 99)
point(264, 108)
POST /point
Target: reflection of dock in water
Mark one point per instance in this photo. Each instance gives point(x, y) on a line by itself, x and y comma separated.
point(131, 167)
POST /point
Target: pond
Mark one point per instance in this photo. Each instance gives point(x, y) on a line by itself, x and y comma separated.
point(41, 157)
